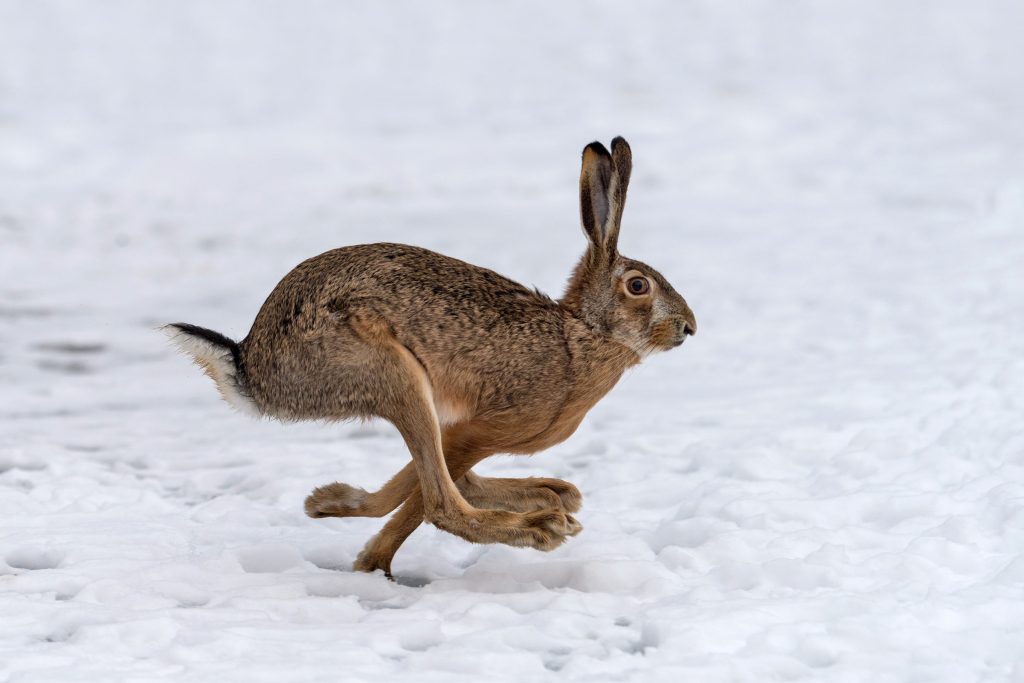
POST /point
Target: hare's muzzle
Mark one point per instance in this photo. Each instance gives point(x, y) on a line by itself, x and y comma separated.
point(684, 328)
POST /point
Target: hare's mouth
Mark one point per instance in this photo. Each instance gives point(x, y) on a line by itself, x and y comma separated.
point(671, 333)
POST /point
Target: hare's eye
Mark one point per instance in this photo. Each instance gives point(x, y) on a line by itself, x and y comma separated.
point(638, 286)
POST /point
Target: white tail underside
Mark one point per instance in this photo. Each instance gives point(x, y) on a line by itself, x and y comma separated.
point(217, 362)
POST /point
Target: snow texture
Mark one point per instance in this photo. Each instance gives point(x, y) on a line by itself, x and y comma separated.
point(826, 484)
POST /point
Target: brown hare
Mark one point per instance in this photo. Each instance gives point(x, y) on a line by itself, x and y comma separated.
point(463, 362)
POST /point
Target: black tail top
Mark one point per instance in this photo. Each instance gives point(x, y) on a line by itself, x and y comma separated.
point(215, 338)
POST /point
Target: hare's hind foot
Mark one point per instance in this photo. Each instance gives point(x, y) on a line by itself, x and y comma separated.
point(540, 529)
point(545, 530)
point(520, 495)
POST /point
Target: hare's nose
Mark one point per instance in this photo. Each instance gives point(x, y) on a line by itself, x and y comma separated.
point(689, 329)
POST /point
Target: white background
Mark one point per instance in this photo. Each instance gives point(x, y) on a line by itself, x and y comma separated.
point(826, 484)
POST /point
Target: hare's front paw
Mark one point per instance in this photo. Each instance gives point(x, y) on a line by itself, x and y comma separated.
point(370, 560)
point(335, 500)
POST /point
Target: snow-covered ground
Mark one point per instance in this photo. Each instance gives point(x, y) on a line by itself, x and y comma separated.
point(827, 483)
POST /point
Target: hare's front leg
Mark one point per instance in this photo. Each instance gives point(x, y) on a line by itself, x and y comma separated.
point(381, 549)
point(407, 402)
point(343, 500)
point(519, 495)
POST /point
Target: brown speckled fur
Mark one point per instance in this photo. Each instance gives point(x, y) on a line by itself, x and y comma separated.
point(465, 363)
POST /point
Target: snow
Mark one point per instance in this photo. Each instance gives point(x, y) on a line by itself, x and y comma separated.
point(826, 483)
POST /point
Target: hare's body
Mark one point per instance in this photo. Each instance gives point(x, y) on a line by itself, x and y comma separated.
point(464, 362)
point(492, 350)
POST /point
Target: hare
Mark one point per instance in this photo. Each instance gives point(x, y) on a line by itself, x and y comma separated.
point(463, 362)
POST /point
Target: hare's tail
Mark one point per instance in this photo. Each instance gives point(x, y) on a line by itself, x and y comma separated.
point(220, 358)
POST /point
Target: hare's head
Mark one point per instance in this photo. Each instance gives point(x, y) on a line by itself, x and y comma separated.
point(624, 299)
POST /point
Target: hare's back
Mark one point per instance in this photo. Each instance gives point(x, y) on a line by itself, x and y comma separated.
point(433, 302)
point(468, 325)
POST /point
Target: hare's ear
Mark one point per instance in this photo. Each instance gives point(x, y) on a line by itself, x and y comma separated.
point(596, 198)
point(603, 184)
point(622, 165)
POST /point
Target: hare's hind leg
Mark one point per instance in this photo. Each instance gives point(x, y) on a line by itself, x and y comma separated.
point(520, 495)
point(402, 394)
point(481, 492)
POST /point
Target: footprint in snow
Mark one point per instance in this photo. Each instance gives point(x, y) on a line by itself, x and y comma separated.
point(34, 558)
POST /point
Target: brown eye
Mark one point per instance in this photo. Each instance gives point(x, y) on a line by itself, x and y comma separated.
point(638, 286)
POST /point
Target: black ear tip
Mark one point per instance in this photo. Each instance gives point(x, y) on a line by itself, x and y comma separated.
point(597, 148)
point(619, 141)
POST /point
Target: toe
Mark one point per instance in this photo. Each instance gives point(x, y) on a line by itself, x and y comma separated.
point(569, 496)
point(371, 562)
point(313, 508)
point(550, 528)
